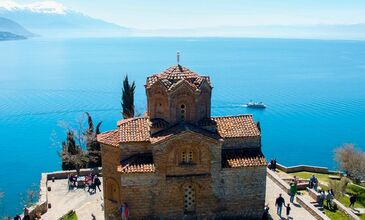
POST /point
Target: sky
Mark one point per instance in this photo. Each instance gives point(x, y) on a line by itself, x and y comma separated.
point(173, 14)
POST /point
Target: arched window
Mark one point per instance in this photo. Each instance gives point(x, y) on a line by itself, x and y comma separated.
point(187, 157)
point(182, 112)
point(189, 198)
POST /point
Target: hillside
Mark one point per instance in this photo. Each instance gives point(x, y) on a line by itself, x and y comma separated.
point(55, 20)
point(10, 36)
point(9, 26)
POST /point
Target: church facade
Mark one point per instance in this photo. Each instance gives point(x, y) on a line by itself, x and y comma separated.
point(178, 161)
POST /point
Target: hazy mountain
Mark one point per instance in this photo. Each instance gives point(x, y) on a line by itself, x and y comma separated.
point(9, 26)
point(335, 31)
point(54, 19)
point(10, 36)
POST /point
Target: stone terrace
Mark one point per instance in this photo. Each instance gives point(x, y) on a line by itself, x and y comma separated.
point(63, 200)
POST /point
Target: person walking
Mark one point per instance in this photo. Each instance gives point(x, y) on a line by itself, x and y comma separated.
point(321, 198)
point(97, 183)
point(288, 210)
point(329, 198)
point(26, 214)
point(352, 201)
point(315, 184)
point(279, 204)
point(265, 215)
point(293, 191)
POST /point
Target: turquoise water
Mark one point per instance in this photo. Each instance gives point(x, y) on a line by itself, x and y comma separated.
point(315, 92)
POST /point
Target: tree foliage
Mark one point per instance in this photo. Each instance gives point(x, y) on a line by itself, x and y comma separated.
point(81, 148)
point(128, 98)
point(92, 145)
point(30, 197)
point(72, 154)
point(351, 160)
point(339, 187)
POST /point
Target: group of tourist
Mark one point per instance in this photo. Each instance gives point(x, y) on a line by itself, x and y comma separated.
point(124, 211)
point(272, 164)
point(328, 197)
point(279, 203)
point(313, 182)
point(91, 181)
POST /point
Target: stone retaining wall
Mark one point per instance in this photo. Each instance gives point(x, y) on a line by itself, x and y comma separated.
point(311, 208)
point(307, 168)
point(281, 183)
point(313, 194)
point(346, 210)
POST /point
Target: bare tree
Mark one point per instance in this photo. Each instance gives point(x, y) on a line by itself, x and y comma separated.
point(30, 197)
point(351, 160)
point(339, 187)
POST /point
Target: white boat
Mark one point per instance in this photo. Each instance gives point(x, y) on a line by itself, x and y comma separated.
point(255, 105)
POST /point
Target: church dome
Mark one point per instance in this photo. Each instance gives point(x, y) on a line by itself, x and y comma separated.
point(175, 74)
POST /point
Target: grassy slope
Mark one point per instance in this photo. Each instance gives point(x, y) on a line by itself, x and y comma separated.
point(351, 189)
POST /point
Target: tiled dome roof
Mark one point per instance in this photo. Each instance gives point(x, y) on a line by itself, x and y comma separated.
point(174, 74)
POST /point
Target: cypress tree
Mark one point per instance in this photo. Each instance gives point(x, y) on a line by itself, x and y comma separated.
point(128, 98)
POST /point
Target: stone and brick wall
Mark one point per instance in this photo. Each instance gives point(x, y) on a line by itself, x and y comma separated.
point(243, 190)
point(246, 142)
point(110, 161)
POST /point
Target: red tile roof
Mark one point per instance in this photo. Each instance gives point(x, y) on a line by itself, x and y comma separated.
point(109, 138)
point(137, 129)
point(174, 74)
point(139, 163)
point(134, 130)
point(236, 126)
point(141, 168)
point(243, 158)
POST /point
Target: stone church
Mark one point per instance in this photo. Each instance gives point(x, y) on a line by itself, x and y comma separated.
point(180, 162)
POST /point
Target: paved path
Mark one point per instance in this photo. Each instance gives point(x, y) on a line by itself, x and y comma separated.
point(63, 200)
point(272, 192)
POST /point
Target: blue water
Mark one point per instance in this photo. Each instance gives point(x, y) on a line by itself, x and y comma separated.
point(315, 92)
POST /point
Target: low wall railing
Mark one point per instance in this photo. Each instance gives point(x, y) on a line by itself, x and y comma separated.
point(307, 168)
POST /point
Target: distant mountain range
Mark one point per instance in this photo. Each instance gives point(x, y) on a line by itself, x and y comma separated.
point(324, 31)
point(52, 19)
point(10, 30)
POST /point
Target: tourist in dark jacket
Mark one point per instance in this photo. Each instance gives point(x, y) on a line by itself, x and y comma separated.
point(97, 183)
point(265, 215)
point(279, 204)
point(26, 214)
point(352, 201)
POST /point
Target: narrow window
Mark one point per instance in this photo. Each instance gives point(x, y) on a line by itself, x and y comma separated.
point(182, 112)
point(189, 199)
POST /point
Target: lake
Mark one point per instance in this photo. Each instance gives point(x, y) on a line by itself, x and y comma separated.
point(314, 90)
